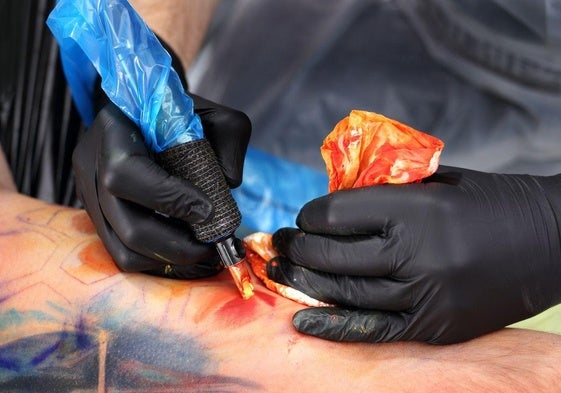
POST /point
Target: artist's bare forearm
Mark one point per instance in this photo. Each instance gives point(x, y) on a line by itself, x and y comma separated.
point(6, 179)
point(181, 23)
point(70, 320)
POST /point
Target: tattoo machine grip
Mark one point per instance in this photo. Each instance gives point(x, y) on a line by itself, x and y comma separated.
point(196, 162)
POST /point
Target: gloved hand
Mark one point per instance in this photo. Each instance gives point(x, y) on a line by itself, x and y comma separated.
point(458, 255)
point(123, 189)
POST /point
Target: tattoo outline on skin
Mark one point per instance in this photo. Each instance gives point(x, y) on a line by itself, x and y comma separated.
point(68, 345)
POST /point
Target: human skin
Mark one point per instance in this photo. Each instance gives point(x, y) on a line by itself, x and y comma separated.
point(181, 24)
point(6, 179)
point(71, 321)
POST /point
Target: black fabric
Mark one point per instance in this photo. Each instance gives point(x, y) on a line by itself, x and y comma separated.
point(39, 125)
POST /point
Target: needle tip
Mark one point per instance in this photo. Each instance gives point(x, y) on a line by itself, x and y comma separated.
point(242, 278)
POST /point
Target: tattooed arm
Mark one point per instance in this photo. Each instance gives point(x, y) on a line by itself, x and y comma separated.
point(70, 321)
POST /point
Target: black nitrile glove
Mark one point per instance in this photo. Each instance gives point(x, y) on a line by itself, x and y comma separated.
point(123, 190)
point(459, 255)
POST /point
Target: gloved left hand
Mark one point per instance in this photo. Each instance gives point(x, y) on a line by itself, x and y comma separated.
point(458, 255)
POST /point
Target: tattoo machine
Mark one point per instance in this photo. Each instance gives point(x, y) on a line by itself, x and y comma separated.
point(136, 74)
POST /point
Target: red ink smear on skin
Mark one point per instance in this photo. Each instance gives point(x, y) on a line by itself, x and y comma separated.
point(96, 258)
point(269, 299)
point(238, 312)
point(82, 223)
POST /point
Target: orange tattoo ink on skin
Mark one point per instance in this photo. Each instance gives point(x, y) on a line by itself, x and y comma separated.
point(96, 261)
point(82, 223)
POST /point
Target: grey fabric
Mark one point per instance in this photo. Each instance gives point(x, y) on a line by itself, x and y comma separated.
point(297, 67)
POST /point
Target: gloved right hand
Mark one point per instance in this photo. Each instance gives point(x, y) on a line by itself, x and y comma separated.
point(141, 213)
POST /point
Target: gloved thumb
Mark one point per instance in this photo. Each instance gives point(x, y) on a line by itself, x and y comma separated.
point(340, 324)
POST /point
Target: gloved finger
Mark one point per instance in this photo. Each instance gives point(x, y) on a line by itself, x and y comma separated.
point(131, 261)
point(145, 232)
point(228, 131)
point(378, 209)
point(208, 268)
point(350, 255)
point(339, 324)
point(364, 292)
point(446, 175)
point(125, 258)
point(367, 210)
point(134, 176)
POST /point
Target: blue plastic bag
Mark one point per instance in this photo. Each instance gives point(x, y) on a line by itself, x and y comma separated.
point(108, 36)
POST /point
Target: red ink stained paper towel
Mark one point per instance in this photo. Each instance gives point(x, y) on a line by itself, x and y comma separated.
point(366, 148)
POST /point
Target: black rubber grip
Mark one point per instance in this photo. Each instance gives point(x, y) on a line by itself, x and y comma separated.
point(196, 162)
